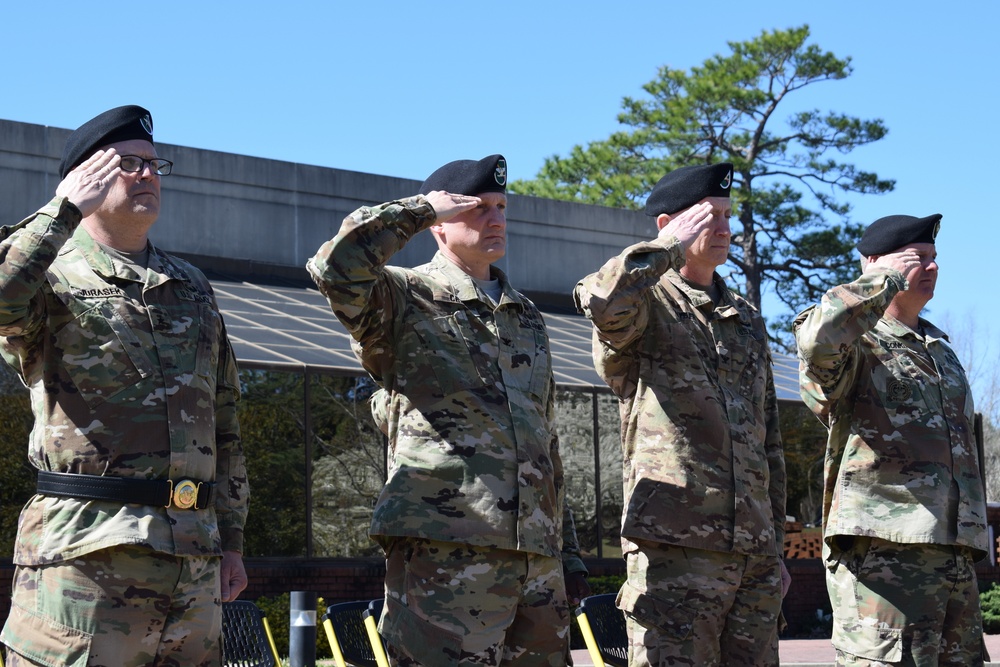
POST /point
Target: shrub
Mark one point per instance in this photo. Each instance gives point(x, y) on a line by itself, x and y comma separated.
point(989, 600)
point(611, 583)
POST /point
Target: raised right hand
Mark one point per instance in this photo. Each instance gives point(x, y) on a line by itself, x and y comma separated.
point(905, 261)
point(447, 206)
point(88, 184)
point(688, 225)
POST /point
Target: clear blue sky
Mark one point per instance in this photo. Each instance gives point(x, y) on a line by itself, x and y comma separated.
point(400, 88)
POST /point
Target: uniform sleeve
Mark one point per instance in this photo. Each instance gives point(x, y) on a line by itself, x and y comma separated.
point(232, 498)
point(26, 251)
point(828, 335)
point(616, 300)
point(775, 460)
point(571, 557)
point(350, 272)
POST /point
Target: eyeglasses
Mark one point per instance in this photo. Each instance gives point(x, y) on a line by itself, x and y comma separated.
point(135, 164)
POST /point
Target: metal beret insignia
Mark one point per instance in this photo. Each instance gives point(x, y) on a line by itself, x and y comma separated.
point(500, 173)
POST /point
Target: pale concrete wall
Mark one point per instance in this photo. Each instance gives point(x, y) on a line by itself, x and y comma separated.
point(273, 213)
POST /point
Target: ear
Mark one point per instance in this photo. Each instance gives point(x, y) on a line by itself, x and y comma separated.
point(662, 220)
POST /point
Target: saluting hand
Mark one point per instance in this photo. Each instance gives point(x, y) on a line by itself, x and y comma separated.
point(88, 184)
point(447, 206)
point(689, 224)
point(905, 261)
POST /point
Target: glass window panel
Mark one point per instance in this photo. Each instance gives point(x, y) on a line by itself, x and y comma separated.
point(348, 466)
point(271, 412)
point(575, 426)
point(610, 449)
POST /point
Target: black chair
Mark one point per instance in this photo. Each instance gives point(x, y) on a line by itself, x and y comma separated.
point(348, 627)
point(602, 625)
point(246, 636)
point(370, 618)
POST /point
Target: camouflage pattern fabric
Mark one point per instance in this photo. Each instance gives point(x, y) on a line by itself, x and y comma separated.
point(119, 387)
point(901, 461)
point(904, 604)
point(703, 462)
point(474, 457)
point(694, 607)
point(115, 608)
point(571, 555)
point(450, 604)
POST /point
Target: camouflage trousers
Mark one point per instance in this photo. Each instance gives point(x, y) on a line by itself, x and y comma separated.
point(456, 604)
point(903, 604)
point(124, 606)
point(700, 608)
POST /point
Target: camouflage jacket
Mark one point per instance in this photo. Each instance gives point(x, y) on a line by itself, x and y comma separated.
point(119, 387)
point(474, 457)
point(901, 459)
point(703, 462)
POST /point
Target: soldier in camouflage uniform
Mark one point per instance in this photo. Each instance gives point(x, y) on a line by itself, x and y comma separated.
point(703, 523)
point(472, 512)
point(135, 534)
point(904, 511)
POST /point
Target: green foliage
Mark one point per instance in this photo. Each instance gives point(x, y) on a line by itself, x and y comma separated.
point(610, 583)
point(989, 600)
point(17, 476)
point(786, 182)
point(277, 610)
point(270, 415)
point(346, 457)
point(804, 441)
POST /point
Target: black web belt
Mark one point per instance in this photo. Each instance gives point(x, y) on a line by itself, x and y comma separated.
point(180, 494)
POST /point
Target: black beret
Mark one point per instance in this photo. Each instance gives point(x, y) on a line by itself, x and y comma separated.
point(469, 177)
point(687, 186)
point(895, 231)
point(118, 124)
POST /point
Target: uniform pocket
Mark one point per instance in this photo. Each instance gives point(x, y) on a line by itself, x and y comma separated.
point(446, 349)
point(862, 641)
point(898, 387)
point(422, 641)
point(864, 638)
point(672, 612)
point(101, 354)
point(44, 641)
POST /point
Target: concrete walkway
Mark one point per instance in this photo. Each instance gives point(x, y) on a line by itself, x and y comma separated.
point(809, 653)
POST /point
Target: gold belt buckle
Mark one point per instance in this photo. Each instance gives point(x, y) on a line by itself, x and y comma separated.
point(185, 494)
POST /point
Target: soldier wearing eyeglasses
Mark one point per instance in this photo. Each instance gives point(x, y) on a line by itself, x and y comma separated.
point(135, 533)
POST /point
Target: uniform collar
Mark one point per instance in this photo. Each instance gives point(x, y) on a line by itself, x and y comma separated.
point(464, 288)
point(897, 329)
point(160, 267)
point(728, 304)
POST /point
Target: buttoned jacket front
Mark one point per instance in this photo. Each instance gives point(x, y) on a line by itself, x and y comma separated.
point(130, 376)
point(902, 463)
point(470, 418)
point(703, 463)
